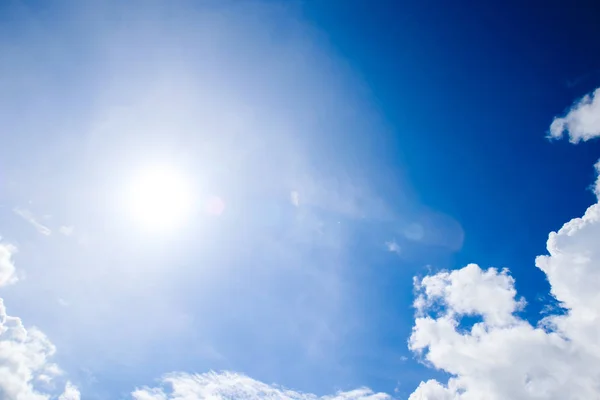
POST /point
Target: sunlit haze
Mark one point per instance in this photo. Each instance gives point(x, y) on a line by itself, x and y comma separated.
point(159, 197)
point(299, 200)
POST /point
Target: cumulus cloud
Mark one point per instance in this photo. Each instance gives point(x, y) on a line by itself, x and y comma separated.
point(70, 393)
point(29, 217)
point(24, 353)
point(471, 291)
point(25, 364)
point(503, 356)
point(582, 122)
point(229, 385)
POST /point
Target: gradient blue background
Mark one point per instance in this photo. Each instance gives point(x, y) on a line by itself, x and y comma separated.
point(465, 91)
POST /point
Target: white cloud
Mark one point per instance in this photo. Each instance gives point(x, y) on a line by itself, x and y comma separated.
point(505, 357)
point(228, 385)
point(393, 246)
point(25, 360)
point(24, 353)
point(66, 230)
point(26, 369)
point(432, 390)
point(70, 393)
point(7, 268)
point(29, 217)
point(582, 122)
point(471, 291)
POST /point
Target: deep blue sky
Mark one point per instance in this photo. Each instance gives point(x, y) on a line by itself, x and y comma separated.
point(434, 111)
point(469, 89)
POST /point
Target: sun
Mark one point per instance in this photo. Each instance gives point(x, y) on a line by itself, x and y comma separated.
point(159, 198)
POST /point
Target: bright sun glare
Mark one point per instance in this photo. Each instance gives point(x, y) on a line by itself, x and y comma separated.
point(159, 198)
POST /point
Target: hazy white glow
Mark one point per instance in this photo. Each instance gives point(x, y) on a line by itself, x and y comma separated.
point(159, 198)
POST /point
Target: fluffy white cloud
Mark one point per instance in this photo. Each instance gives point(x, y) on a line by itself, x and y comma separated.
point(25, 365)
point(504, 356)
point(70, 393)
point(582, 122)
point(471, 291)
point(228, 385)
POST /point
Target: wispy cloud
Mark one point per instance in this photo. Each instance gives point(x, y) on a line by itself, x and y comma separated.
point(66, 230)
point(29, 217)
point(28, 352)
point(229, 385)
point(63, 302)
point(393, 246)
point(295, 198)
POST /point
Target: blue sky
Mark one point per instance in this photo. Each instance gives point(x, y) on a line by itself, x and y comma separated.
point(331, 172)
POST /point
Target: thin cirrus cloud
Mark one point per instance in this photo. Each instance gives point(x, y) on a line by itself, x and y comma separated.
point(66, 230)
point(228, 385)
point(28, 216)
point(295, 198)
point(504, 356)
